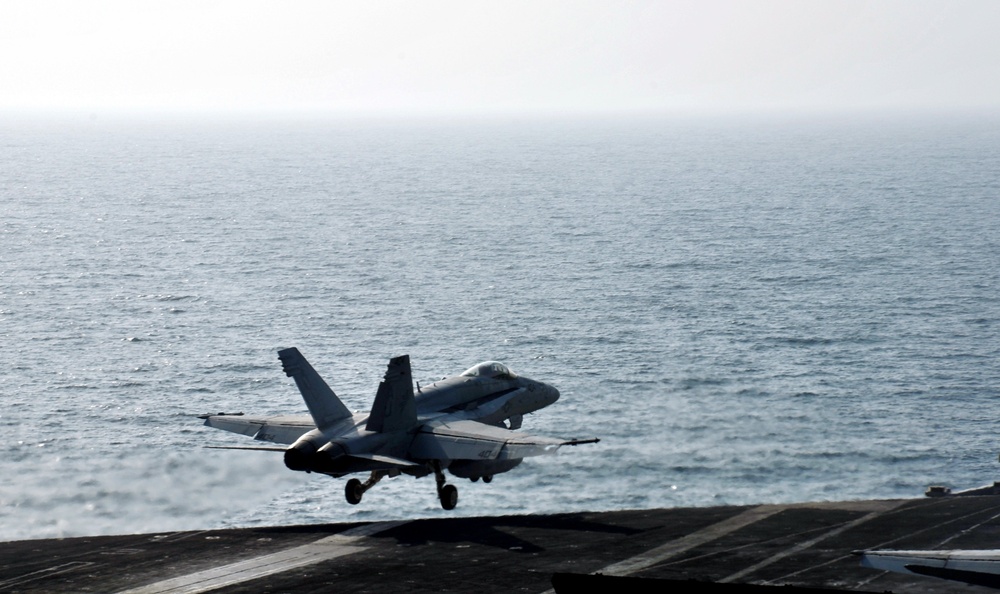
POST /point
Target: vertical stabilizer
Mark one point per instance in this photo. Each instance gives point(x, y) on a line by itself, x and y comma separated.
point(394, 408)
point(324, 406)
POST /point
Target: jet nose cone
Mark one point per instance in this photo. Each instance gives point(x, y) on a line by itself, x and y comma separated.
point(553, 393)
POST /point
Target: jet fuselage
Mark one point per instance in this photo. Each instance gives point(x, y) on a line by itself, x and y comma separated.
point(485, 399)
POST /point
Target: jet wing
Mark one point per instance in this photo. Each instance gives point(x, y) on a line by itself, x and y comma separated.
point(471, 440)
point(972, 567)
point(283, 429)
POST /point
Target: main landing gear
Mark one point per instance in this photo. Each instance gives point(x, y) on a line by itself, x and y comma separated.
point(355, 489)
point(448, 494)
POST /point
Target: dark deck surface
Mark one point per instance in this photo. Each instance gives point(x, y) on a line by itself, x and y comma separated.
point(806, 545)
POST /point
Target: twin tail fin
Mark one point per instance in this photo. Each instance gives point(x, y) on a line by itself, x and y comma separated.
point(394, 408)
point(324, 406)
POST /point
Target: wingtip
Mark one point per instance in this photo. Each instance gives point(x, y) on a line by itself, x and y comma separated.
point(574, 442)
point(220, 414)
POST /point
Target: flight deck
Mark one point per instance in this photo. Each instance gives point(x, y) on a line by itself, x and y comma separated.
point(807, 545)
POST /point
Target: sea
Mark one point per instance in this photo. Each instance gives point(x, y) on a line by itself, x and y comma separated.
point(757, 309)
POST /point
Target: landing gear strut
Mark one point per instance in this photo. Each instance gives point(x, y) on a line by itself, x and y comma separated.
point(355, 489)
point(447, 494)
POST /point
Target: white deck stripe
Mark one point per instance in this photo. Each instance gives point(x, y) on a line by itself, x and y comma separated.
point(888, 506)
point(687, 542)
point(323, 549)
point(44, 573)
point(727, 526)
point(690, 541)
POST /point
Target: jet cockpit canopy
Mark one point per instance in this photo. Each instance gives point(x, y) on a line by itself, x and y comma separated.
point(492, 369)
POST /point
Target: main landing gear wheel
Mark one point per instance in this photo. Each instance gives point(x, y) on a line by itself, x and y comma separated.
point(449, 496)
point(354, 491)
point(487, 478)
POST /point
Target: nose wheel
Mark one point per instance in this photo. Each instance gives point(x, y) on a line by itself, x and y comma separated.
point(447, 494)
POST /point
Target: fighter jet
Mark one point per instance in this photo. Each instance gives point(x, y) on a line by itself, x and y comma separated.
point(464, 424)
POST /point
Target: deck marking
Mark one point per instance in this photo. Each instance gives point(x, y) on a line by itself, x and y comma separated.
point(177, 536)
point(687, 542)
point(324, 549)
point(690, 541)
point(941, 544)
point(44, 573)
point(798, 548)
point(880, 574)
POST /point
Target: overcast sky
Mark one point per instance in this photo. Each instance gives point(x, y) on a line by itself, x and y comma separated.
point(512, 56)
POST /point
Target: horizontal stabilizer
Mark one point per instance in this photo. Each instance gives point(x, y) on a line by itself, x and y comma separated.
point(324, 406)
point(367, 462)
point(387, 460)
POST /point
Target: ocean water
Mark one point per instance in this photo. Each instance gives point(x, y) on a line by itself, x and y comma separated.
point(744, 311)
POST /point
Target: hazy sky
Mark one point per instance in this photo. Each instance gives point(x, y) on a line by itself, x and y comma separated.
point(509, 56)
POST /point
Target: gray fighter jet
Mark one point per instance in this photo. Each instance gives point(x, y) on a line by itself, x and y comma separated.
point(464, 424)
